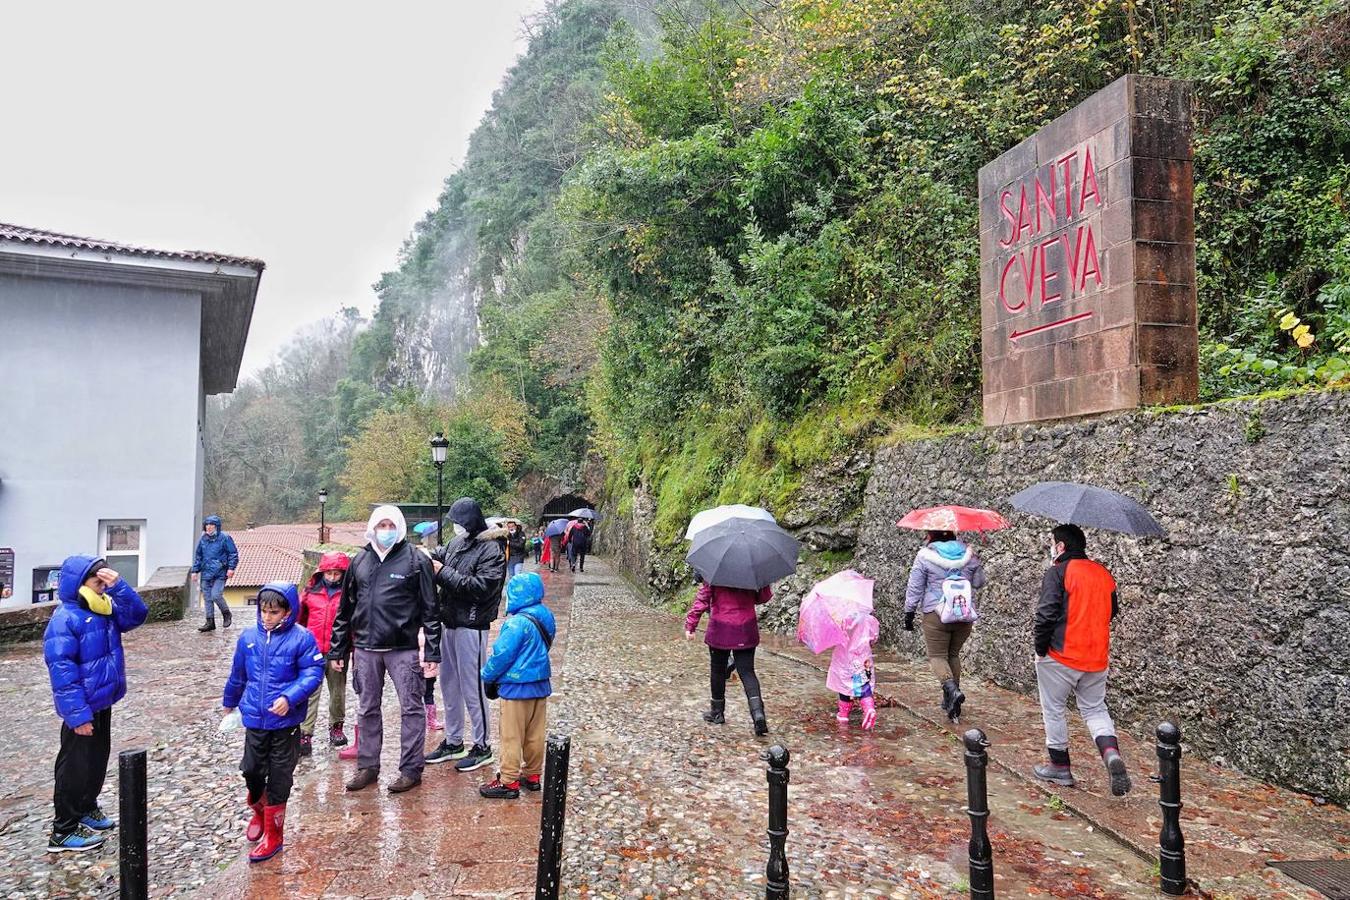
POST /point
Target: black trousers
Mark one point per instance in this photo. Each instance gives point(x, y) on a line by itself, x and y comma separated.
point(81, 767)
point(723, 661)
point(429, 692)
point(269, 763)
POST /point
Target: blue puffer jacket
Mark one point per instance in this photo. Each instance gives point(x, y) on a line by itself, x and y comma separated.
point(84, 649)
point(267, 665)
point(519, 661)
point(216, 554)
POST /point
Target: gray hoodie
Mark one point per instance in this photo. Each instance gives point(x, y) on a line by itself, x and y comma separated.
point(932, 565)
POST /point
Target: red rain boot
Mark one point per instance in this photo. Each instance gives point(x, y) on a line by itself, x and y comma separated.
point(274, 834)
point(845, 707)
point(254, 832)
point(349, 751)
point(432, 724)
point(869, 713)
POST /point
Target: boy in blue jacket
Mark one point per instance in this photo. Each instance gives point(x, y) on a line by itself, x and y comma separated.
point(213, 564)
point(83, 650)
point(277, 666)
point(518, 670)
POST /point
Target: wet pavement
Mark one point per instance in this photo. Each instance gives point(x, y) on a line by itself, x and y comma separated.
point(660, 803)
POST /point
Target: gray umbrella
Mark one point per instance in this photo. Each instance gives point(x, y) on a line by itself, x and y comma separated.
point(1083, 504)
point(582, 513)
point(743, 553)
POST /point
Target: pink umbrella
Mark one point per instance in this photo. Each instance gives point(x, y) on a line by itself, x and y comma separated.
point(832, 603)
point(952, 518)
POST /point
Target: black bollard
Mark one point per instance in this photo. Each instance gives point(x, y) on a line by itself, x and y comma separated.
point(549, 872)
point(977, 804)
point(776, 872)
point(1171, 845)
point(132, 837)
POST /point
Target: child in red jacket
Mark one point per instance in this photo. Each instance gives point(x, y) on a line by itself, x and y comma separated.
point(318, 608)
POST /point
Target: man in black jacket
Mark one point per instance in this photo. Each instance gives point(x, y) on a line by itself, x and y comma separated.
point(387, 597)
point(470, 572)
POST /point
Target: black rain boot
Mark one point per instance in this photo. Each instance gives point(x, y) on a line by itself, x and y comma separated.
point(209, 626)
point(1115, 765)
point(717, 714)
point(226, 618)
point(952, 698)
point(757, 715)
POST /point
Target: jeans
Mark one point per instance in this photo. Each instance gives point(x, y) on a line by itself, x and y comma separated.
point(514, 568)
point(213, 595)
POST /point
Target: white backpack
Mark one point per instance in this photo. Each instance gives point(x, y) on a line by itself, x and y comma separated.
point(958, 599)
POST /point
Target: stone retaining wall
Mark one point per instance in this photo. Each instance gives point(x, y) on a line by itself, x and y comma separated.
point(166, 594)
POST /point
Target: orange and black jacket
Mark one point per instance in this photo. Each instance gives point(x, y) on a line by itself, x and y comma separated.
point(1073, 619)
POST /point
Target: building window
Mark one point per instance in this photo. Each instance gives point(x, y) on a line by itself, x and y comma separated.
point(122, 543)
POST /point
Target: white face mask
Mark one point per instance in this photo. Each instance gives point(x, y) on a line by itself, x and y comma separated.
point(1054, 552)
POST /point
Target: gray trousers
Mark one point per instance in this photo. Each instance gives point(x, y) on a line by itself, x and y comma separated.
point(1055, 682)
point(463, 652)
point(405, 671)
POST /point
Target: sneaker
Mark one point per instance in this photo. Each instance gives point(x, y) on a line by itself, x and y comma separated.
point(95, 820)
point(363, 779)
point(476, 758)
point(306, 745)
point(1120, 779)
point(532, 783)
point(496, 790)
point(78, 840)
point(1061, 775)
point(336, 736)
point(446, 752)
point(403, 783)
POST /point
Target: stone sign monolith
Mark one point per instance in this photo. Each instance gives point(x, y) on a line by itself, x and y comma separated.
point(1087, 259)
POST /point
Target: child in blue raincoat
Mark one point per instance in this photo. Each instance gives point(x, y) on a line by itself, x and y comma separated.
point(277, 667)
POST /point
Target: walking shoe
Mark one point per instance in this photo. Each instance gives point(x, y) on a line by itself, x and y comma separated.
point(952, 698)
point(363, 779)
point(274, 834)
point(209, 626)
point(350, 751)
point(95, 820)
point(432, 724)
point(80, 839)
point(717, 713)
point(497, 790)
point(336, 736)
point(476, 758)
point(254, 832)
point(403, 783)
point(226, 618)
point(446, 752)
point(845, 707)
point(1120, 779)
point(532, 783)
point(1055, 773)
point(757, 715)
point(306, 745)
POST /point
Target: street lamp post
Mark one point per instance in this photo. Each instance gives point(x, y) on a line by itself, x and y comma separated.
point(323, 504)
point(439, 448)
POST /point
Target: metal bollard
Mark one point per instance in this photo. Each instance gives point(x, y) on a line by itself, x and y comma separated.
point(132, 837)
point(549, 872)
point(776, 872)
point(1171, 845)
point(977, 804)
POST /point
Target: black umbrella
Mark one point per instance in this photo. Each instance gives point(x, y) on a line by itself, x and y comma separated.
point(1083, 504)
point(743, 553)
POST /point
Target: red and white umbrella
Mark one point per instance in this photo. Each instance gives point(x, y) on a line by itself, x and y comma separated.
point(952, 518)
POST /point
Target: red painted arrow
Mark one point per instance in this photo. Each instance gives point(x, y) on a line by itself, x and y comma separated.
point(1046, 327)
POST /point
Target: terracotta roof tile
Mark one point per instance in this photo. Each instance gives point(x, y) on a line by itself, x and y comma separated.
point(57, 239)
point(277, 552)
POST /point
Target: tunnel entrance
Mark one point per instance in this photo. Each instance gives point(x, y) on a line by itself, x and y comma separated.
point(559, 507)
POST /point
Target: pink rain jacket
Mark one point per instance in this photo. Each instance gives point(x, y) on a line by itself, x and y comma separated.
point(856, 653)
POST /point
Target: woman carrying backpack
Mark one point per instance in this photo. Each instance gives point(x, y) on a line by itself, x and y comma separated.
point(941, 585)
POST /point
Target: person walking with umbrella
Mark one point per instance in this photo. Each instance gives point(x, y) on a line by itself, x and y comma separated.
point(942, 581)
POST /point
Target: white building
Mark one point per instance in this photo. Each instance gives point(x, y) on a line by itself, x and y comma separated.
point(107, 353)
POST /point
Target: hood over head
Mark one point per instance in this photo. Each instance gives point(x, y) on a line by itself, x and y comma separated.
point(212, 520)
point(467, 514)
point(287, 590)
point(74, 572)
point(393, 514)
point(332, 561)
point(523, 591)
point(947, 554)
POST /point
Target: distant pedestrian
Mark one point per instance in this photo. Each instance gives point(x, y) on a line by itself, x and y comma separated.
point(851, 673)
point(213, 564)
point(387, 597)
point(1073, 643)
point(519, 671)
point(277, 668)
point(943, 566)
point(578, 539)
point(733, 635)
point(82, 647)
point(537, 545)
point(515, 549)
point(554, 551)
point(470, 572)
point(318, 609)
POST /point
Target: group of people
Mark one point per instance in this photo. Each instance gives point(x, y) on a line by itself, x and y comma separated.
point(1072, 634)
point(574, 542)
point(393, 612)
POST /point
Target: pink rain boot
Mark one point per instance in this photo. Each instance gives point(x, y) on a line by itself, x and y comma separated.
point(845, 707)
point(432, 724)
point(869, 707)
point(349, 752)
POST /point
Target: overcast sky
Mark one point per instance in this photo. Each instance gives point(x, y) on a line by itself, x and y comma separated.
point(310, 135)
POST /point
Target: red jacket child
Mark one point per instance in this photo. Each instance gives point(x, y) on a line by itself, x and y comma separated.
point(319, 602)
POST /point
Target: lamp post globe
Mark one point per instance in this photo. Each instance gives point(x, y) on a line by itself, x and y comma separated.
point(440, 448)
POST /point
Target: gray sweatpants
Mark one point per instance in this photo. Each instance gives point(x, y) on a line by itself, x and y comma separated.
point(463, 652)
point(1055, 682)
point(405, 671)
